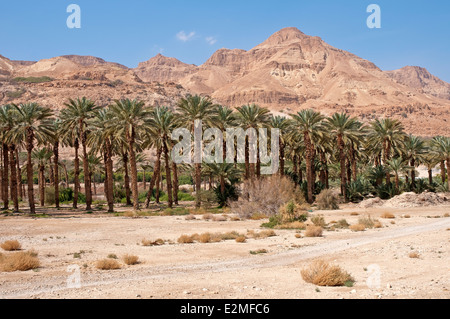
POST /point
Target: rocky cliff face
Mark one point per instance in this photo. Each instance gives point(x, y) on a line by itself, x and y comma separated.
point(287, 72)
point(421, 80)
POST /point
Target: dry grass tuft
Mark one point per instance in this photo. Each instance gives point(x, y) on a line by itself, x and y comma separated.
point(387, 216)
point(314, 231)
point(327, 200)
point(262, 234)
point(148, 243)
point(414, 255)
point(220, 218)
point(107, 264)
point(367, 221)
point(130, 260)
point(186, 239)
point(19, 261)
point(241, 239)
point(318, 220)
point(204, 238)
point(190, 217)
point(208, 216)
point(11, 245)
point(354, 214)
point(358, 227)
point(321, 273)
point(377, 224)
point(293, 225)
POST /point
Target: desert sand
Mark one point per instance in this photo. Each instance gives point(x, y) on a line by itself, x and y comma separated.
point(378, 259)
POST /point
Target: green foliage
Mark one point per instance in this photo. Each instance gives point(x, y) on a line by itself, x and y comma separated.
point(385, 191)
point(185, 180)
point(65, 194)
point(32, 79)
point(357, 190)
point(231, 194)
point(15, 94)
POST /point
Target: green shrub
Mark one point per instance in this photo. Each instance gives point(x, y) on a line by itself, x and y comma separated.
point(231, 194)
point(32, 79)
point(65, 194)
point(50, 195)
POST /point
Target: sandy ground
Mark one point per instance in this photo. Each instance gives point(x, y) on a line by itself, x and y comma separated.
point(378, 258)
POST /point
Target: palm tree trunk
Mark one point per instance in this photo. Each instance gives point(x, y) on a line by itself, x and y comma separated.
point(56, 171)
point(76, 175)
point(126, 178)
point(30, 141)
point(413, 174)
point(175, 183)
point(168, 173)
point(295, 169)
point(281, 157)
point(87, 175)
point(397, 182)
point(310, 154)
point(430, 176)
point(109, 177)
point(198, 184)
point(443, 172)
point(5, 177)
point(342, 157)
point(154, 177)
point(300, 172)
point(354, 166)
point(247, 160)
point(158, 186)
point(19, 175)
point(14, 194)
point(42, 185)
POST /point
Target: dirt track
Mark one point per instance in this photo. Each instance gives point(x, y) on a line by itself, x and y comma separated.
point(226, 269)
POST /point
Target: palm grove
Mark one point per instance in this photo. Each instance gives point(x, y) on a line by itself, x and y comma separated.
point(316, 152)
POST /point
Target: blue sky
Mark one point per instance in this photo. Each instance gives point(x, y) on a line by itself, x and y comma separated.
point(413, 32)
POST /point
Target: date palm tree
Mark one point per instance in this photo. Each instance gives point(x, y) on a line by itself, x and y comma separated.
point(33, 125)
point(191, 109)
point(308, 123)
point(414, 151)
point(389, 135)
point(252, 116)
point(129, 118)
point(343, 130)
point(75, 117)
point(281, 123)
point(442, 149)
point(398, 165)
point(42, 158)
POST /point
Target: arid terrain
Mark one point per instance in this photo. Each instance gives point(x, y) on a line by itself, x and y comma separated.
point(378, 259)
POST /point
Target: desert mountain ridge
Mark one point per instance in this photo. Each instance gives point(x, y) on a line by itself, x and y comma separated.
point(287, 72)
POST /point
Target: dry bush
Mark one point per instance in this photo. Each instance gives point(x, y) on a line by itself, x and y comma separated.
point(298, 235)
point(446, 215)
point(358, 227)
point(204, 238)
point(265, 196)
point(147, 243)
point(387, 216)
point(130, 260)
point(293, 225)
point(131, 214)
point(377, 224)
point(321, 273)
point(367, 221)
point(11, 245)
point(262, 234)
point(235, 219)
point(414, 255)
point(327, 200)
point(219, 219)
point(354, 214)
point(19, 261)
point(190, 217)
point(185, 239)
point(292, 211)
point(241, 239)
point(318, 220)
point(407, 216)
point(107, 264)
point(342, 224)
point(314, 231)
point(208, 216)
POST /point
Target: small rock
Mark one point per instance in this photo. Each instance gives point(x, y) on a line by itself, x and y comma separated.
point(353, 291)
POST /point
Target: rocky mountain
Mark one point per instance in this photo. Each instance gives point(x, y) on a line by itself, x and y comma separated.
point(287, 72)
point(422, 80)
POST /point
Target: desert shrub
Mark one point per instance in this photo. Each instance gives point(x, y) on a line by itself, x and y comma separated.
point(357, 227)
point(185, 239)
point(414, 255)
point(231, 194)
point(262, 234)
point(367, 221)
point(357, 190)
point(241, 239)
point(318, 220)
point(343, 224)
point(50, 195)
point(208, 216)
point(65, 194)
point(107, 264)
point(291, 225)
point(190, 217)
point(265, 196)
point(321, 273)
point(291, 211)
point(185, 197)
point(148, 243)
point(112, 256)
point(19, 261)
point(327, 200)
point(259, 252)
point(385, 191)
point(314, 231)
point(32, 79)
point(387, 215)
point(11, 245)
point(219, 218)
point(377, 224)
point(208, 198)
point(130, 260)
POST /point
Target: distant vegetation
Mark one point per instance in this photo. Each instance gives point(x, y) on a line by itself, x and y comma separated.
point(32, 79)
